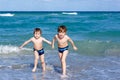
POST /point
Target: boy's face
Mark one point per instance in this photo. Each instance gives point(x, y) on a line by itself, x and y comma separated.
point(61, 34)
point(37, 34)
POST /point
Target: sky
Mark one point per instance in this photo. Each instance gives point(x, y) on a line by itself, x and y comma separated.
point(59, 5)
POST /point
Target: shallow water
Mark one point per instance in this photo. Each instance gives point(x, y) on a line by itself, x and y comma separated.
point(79, 67)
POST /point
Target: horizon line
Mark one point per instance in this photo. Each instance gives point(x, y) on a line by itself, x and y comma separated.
point(60, 11)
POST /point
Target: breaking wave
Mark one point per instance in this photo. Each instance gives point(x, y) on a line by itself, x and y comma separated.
point(6, 49)
point(70, 13)
point(7, 14)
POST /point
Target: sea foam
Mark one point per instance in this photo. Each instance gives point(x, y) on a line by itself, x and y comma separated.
point(7, 14)
point(6, 49)
point(70, 13)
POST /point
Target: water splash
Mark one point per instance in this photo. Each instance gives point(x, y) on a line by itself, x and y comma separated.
point(6, 49)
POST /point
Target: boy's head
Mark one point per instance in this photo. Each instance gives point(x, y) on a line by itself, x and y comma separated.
point(37, 30)
point(62, 28)
point(62, 31)
point(37, 33)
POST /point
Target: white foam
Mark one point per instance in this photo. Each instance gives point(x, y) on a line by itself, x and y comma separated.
point(7, 14)
point(8, 49)
point(70, 13)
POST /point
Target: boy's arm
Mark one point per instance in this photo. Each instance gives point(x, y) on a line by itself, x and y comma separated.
point(53, 42)
point(72, 43)
point(46, 41)
point(25, 43)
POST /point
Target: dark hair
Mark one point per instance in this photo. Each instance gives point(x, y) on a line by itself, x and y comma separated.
point(37, 30)
point(62, 28)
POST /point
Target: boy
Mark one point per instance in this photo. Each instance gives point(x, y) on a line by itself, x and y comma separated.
point(38, 48)
point(63, 39)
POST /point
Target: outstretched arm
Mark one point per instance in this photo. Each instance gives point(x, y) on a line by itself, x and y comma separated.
point(47, 41)
point(25, 43)
point(72, 43)
point(53, 42)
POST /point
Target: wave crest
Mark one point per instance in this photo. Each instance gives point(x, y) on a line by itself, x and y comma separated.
point(5, 49)
point(70, 13)
point(8, 49)
point(7, 14)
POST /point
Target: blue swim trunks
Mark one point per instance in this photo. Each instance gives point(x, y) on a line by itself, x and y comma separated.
point(61, 50)
point(40, 52)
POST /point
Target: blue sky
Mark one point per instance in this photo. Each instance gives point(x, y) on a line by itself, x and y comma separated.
point(59, 5)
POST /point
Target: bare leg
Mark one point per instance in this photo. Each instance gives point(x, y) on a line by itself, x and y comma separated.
point(60, 56)
point(35, 61)
point(63, 61)
point(42, 62)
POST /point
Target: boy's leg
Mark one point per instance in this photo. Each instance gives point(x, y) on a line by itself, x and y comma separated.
point(60, 56)
point(42, 62)
point(63, 61)
point(36, 56)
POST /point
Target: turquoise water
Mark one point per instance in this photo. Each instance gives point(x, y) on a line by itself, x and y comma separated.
point(96, 34)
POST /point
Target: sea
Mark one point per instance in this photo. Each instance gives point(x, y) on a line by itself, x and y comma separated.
point(96, 35)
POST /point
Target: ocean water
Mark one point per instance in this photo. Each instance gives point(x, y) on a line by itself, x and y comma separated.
point(96, 34)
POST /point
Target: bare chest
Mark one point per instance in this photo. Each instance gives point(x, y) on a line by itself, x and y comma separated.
point(62, 41)
point(38, 41)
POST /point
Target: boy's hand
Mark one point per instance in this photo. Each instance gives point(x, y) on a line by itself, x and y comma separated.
point(20, 47)
point(75, 48)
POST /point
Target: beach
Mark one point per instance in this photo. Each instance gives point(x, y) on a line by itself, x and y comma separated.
point(96, 34)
